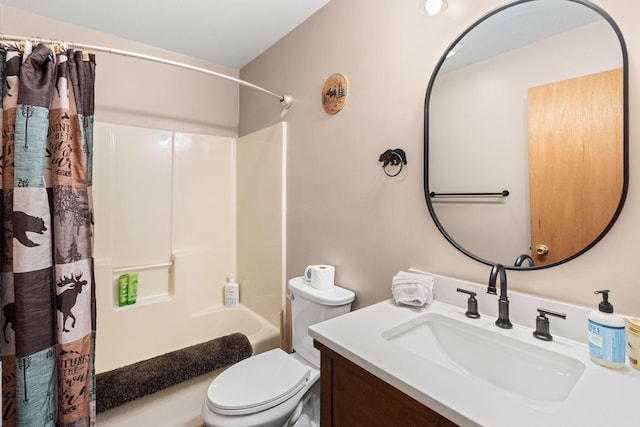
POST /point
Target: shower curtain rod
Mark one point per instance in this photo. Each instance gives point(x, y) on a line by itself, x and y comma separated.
point(285, 100)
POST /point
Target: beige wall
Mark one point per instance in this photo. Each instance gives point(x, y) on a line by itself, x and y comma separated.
point(343, 210)
point(141, 93)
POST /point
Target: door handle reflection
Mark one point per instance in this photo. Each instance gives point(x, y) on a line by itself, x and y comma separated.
point(542, 250)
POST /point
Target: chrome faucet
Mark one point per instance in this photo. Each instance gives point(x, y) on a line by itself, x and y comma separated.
point(503, 302)
point(522, 258)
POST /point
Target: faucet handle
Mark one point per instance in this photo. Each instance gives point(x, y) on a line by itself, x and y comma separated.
point(472, 304)
point(542, 324)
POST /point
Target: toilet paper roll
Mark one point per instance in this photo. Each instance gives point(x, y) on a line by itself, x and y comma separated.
point(320, 276)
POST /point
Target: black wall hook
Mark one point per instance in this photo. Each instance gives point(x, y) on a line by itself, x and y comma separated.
point(393, 157)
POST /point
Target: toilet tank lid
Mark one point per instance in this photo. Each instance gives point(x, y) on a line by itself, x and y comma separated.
point(334, 295)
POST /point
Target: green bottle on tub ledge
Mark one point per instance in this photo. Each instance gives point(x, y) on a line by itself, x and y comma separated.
point(127, 289)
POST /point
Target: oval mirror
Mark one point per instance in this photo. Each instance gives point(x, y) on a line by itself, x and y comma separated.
point(526, 134)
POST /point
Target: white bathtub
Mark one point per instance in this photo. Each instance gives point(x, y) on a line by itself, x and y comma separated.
point(178, 406)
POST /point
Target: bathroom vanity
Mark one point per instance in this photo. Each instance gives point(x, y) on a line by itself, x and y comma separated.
point(351, 396)
point(397, 365)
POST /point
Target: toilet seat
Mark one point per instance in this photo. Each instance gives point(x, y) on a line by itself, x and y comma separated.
point(257, 383)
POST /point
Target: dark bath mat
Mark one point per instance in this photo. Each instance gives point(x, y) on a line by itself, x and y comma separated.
point(125, 384)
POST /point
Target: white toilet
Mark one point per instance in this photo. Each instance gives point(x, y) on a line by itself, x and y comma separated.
point(277, 389)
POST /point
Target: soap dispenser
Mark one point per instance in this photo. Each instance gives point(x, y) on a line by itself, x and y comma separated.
point(606, 334)
point(231, 292)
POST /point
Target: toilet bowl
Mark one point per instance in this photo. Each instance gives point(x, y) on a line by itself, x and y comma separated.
point(275, 388)
point(263, 390)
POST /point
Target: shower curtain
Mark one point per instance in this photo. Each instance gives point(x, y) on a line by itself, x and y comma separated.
point(47, 282)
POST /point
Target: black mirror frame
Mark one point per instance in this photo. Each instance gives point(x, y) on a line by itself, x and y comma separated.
point(625, 185)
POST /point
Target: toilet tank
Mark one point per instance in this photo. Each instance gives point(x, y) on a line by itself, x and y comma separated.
point(310, 306)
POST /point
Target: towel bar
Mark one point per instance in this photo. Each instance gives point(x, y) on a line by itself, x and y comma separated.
point(503, 193)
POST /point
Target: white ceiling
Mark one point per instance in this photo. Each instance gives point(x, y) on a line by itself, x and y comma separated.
point(225, 32)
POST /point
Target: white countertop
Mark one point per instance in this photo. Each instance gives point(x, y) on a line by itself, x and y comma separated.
point(601, 397)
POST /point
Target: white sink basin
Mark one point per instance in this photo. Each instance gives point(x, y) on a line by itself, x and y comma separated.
point(537, 375)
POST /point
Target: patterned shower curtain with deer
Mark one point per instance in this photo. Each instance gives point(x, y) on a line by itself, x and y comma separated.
point(47, 281)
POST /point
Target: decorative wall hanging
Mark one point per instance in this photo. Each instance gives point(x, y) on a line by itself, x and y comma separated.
point(396, 157)
point(335, 93)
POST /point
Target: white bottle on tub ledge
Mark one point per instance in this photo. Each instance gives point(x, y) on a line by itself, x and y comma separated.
point(231, 292)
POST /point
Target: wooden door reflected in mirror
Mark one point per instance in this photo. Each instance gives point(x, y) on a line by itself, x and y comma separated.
point(571, 201)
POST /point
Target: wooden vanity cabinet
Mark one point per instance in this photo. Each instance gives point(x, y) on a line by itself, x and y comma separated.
point(352, 397)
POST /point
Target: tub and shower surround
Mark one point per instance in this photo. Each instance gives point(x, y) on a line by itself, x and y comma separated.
point(166, 207)
point(167, 201)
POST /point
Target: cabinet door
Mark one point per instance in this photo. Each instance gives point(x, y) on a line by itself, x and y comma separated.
point(352, 397)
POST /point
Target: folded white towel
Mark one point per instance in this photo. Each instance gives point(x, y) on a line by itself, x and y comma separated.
point(408, 277)
point(423, 282)
point(411, 295)
point(412, 289)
